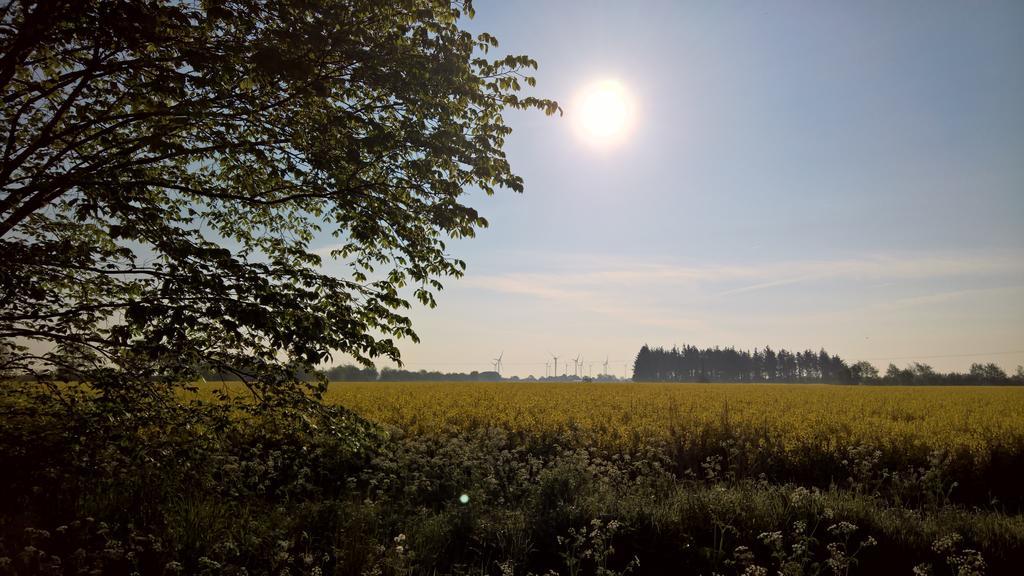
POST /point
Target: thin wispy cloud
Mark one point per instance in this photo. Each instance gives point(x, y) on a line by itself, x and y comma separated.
point(687, 297)
point(764, 285)
point(570, 284)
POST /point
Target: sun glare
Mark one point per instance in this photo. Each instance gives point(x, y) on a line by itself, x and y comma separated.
point(604, 112)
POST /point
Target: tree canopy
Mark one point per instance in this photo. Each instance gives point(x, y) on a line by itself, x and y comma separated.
point(167, 164)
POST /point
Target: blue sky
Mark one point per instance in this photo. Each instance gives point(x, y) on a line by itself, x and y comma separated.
point(799, 174)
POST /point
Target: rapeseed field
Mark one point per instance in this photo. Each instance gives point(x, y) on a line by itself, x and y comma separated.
point(963, 420)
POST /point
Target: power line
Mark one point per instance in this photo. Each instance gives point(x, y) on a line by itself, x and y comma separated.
point(974, 354)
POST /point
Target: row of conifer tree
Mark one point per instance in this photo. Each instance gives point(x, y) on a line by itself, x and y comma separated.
point(692, 364)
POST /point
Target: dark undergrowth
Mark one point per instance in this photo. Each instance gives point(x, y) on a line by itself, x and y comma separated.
point(199, 490)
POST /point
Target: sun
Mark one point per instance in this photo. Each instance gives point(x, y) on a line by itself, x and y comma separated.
point(603, 112)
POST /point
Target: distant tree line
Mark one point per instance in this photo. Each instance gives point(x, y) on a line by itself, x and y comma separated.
point(692, 364)
point(351, 373)
point(918, 374)
point(348, 373)
point(397, 375)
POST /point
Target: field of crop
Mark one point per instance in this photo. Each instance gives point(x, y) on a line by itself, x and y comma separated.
point(975, 421)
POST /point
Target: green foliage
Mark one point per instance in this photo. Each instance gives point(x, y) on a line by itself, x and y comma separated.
point(166, 166)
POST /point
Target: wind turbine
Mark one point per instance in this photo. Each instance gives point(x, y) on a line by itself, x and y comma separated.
point(576, 366)
point(606, 364)
point(497, 362)
point(556, 364)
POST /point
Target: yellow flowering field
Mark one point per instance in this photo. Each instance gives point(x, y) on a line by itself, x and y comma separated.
point(963, 419)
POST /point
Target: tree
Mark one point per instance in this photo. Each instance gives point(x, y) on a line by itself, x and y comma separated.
point(770, 364)
point(787, 365)
point(924, 374)
point(864, 373)
point(825, 366)
point(643, 365)
point(894, 375)
point(167, 166)
point(988, 373)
